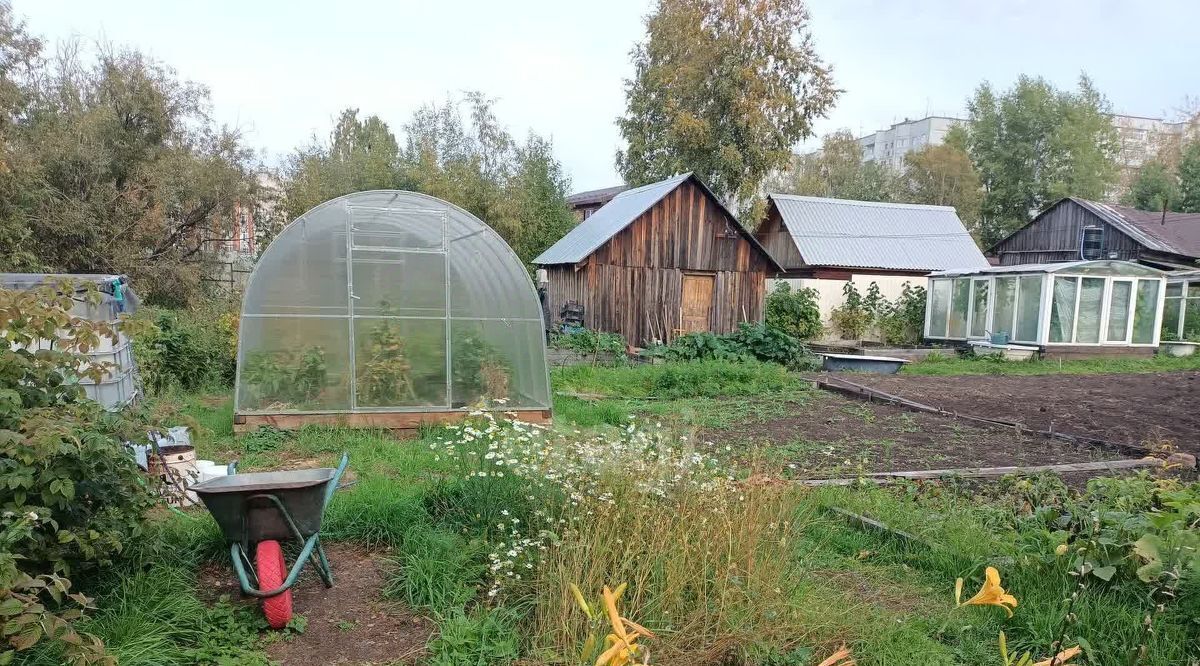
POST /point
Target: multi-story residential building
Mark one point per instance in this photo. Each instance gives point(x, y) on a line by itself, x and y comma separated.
point(1139, 138)
point(889, 146)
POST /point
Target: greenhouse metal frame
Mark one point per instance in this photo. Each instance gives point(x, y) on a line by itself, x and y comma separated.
point(389, 309)
point(1098, 304)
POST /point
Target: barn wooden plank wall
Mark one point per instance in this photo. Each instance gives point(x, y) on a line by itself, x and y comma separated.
point(778, 241)
point(1055, 236)
point(632, 284)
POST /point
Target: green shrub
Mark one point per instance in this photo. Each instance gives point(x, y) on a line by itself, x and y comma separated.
point(794, 312)
point(60, 459)
point(853, 318)
point(773, 345)
point(703, 346)
point(71, 497)
point(902, 321)
point(189, 349)
point(751, 341)
point(589, 342)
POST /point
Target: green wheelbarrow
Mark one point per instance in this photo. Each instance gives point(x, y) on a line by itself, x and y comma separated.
point(259, 510)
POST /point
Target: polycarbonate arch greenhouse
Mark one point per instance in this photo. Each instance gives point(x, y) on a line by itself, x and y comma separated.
point(388, 309)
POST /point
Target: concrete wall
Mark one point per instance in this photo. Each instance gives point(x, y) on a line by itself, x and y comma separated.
point(829, 292)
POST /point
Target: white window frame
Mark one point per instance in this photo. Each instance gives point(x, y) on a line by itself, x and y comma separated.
point(993, 292)
point(1109, 289)
point(971, 309)
point(1042, 327)
point(1074, 308)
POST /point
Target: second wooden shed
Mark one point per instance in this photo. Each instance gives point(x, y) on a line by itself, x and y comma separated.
point(658, 261)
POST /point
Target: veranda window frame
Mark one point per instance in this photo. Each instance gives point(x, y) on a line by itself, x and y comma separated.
point(1184, 285)
point(1046, 301)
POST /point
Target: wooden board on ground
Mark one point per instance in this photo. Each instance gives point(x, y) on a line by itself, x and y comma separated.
point(243, 423)
point(985, 472)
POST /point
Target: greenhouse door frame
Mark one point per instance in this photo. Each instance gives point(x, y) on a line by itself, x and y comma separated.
point(352, 298)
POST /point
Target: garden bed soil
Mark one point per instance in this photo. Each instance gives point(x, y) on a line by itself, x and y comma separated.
point(1151, 409)
point(350, 623)
point(836, 436)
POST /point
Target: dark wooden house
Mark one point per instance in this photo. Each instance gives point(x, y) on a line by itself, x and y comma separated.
point(658, 261)
point(1077, 229)
point(583, 204)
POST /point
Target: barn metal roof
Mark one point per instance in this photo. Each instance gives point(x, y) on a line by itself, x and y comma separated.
point(871, 234)
point(1176, 233)
point(605, 223)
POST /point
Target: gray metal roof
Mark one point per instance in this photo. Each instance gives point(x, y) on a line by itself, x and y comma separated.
point(605, 223)
point(870, 234)
point(1097, 266)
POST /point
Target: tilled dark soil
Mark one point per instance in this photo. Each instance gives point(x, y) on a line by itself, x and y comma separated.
point(833, 435)
point(1152, 409)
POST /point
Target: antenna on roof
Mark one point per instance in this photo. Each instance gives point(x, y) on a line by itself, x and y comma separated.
point(1164, 215)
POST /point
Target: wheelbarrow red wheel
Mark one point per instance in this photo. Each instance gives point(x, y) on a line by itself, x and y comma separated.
point(271, 571)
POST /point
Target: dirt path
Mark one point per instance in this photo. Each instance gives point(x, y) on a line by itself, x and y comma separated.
point(350, 623)
point(1151, 408)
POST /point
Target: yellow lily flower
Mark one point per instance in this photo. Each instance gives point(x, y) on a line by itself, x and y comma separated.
point(621, 646)
point(991, 594)
point(1062, 657)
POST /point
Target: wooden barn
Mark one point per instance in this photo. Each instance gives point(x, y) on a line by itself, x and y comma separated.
point(1077, 229)
point(658, 261)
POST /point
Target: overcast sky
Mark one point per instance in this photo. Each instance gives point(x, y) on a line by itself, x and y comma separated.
point(281, 70)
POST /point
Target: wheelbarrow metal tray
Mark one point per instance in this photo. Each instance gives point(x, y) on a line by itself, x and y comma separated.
point(246, 518)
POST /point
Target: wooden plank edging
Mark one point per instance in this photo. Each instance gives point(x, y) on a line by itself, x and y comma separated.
point(986, 472)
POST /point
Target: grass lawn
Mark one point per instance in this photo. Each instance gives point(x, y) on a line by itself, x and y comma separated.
point(772, 577)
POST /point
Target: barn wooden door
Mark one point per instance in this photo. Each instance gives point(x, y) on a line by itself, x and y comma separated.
point(696, 304)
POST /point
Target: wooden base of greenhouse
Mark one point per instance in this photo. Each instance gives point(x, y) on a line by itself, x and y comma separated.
point(243, 423)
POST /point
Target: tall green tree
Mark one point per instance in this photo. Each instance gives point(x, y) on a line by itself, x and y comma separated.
point(1189, 178)
point(362, 154)
point(1154, 188)
point(468, 159)
point(542, 213)
point(838, 170)
point(1033, 144)
point(944, 176)
point(110, 163)
point(20, 56)
point(722, 88)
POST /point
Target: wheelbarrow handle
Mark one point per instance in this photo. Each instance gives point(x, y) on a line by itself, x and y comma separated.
point(337, 476)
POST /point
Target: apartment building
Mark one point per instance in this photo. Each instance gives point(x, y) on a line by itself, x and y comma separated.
point(1140, 138)
point(889, 146)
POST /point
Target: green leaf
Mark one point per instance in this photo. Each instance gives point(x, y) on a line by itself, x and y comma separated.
point(11, 606)
point(1148, 547)
point(1105, 573)
point(1150, 572)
